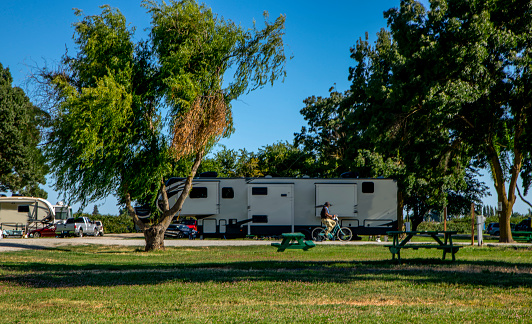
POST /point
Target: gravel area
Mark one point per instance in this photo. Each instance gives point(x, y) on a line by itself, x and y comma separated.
point(137, 239)
point(14, 244)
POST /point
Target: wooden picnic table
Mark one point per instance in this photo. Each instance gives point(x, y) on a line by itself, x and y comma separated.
point(293, 241)
point(447, 244)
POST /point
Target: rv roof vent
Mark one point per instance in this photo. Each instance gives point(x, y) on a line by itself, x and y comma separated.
point(268, 176)
point(305, 177)
point(209, 174)
point(16, 195)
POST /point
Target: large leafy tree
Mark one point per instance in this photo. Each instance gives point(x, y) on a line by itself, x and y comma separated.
point(125, 113)
point(22, 165)
point(387, 98)
point(470, 66)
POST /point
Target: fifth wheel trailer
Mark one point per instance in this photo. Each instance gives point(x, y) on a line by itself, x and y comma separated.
point(18, 212)
point(236, 207)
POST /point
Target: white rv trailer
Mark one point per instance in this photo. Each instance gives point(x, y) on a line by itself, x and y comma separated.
point(233, 207)
point(21, 212)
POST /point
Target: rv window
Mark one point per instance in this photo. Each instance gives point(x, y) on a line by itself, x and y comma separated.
point(260, 218)
point(198, 192)
point(368, 187)
point(228, 193)
point(259, 191)
point(24, 209)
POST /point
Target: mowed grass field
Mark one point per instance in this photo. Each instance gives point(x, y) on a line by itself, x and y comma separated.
point(256, 284)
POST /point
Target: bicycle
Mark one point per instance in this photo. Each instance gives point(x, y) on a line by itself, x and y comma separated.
point(341, 233)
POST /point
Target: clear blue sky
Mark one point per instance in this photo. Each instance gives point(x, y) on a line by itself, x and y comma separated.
point(318, 35)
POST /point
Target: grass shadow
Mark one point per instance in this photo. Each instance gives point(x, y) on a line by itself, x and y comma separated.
point(480, 273)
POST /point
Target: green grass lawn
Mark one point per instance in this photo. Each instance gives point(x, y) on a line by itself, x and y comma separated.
point(338, 284)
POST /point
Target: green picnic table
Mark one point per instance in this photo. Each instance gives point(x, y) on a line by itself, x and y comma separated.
point(522, 236)
point(447, 245)
point(293, 241)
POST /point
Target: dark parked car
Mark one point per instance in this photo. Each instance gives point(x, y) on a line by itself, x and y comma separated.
point(524, 225)
point(179, 231)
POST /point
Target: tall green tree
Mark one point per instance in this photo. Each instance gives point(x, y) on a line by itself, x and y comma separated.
point(22, 165)
point(231, 163)
point(125, 113)
point(470, 69)
point(283, 159)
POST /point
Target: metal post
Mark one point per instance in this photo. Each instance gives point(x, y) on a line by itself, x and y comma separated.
point(445, 218)
point(472, 224)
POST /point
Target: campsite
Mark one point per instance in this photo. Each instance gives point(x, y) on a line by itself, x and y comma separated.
point(266, 161)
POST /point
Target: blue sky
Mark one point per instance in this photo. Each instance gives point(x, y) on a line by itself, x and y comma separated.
point(37, 33)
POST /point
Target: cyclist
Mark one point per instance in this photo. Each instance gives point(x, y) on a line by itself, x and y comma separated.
point(327, 219)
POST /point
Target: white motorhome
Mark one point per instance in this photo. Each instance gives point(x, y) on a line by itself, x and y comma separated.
point(18, 212)
point(269, 206)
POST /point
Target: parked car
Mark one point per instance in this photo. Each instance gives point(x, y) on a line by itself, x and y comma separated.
point(45, 231)
point(524, 225)
point(493, 229)
point(76, 226)
point(191, 223)
point(179, 231)
point(99, 227)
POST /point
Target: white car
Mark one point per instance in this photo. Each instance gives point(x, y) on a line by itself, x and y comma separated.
point(99, 227)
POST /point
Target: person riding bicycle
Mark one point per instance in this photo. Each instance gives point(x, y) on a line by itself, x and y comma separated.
point(327, 219)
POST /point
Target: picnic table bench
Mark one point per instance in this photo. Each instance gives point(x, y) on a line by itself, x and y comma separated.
point(293, 241)
point(522, 236)
point(447, 245)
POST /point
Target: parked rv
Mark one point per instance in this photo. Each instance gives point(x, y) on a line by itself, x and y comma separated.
point(236, 207)
point(30, 213)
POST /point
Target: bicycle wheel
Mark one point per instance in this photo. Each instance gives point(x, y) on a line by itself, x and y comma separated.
point(318, 234)
point(344, 234)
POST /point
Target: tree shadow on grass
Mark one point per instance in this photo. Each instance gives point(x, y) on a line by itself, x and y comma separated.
point(418, 271)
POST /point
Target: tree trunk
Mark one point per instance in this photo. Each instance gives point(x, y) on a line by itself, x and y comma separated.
point(400, 207)
point(504, 222)
point(506, 201)
point(154, 237)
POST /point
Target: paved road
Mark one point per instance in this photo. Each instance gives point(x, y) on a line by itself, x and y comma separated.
point(14, 244)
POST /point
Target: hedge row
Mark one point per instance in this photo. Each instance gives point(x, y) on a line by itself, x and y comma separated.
point(114, 224)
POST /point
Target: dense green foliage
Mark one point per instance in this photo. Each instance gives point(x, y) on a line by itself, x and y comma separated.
point(278, 160)
point(335, 284)
point(22, 166)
